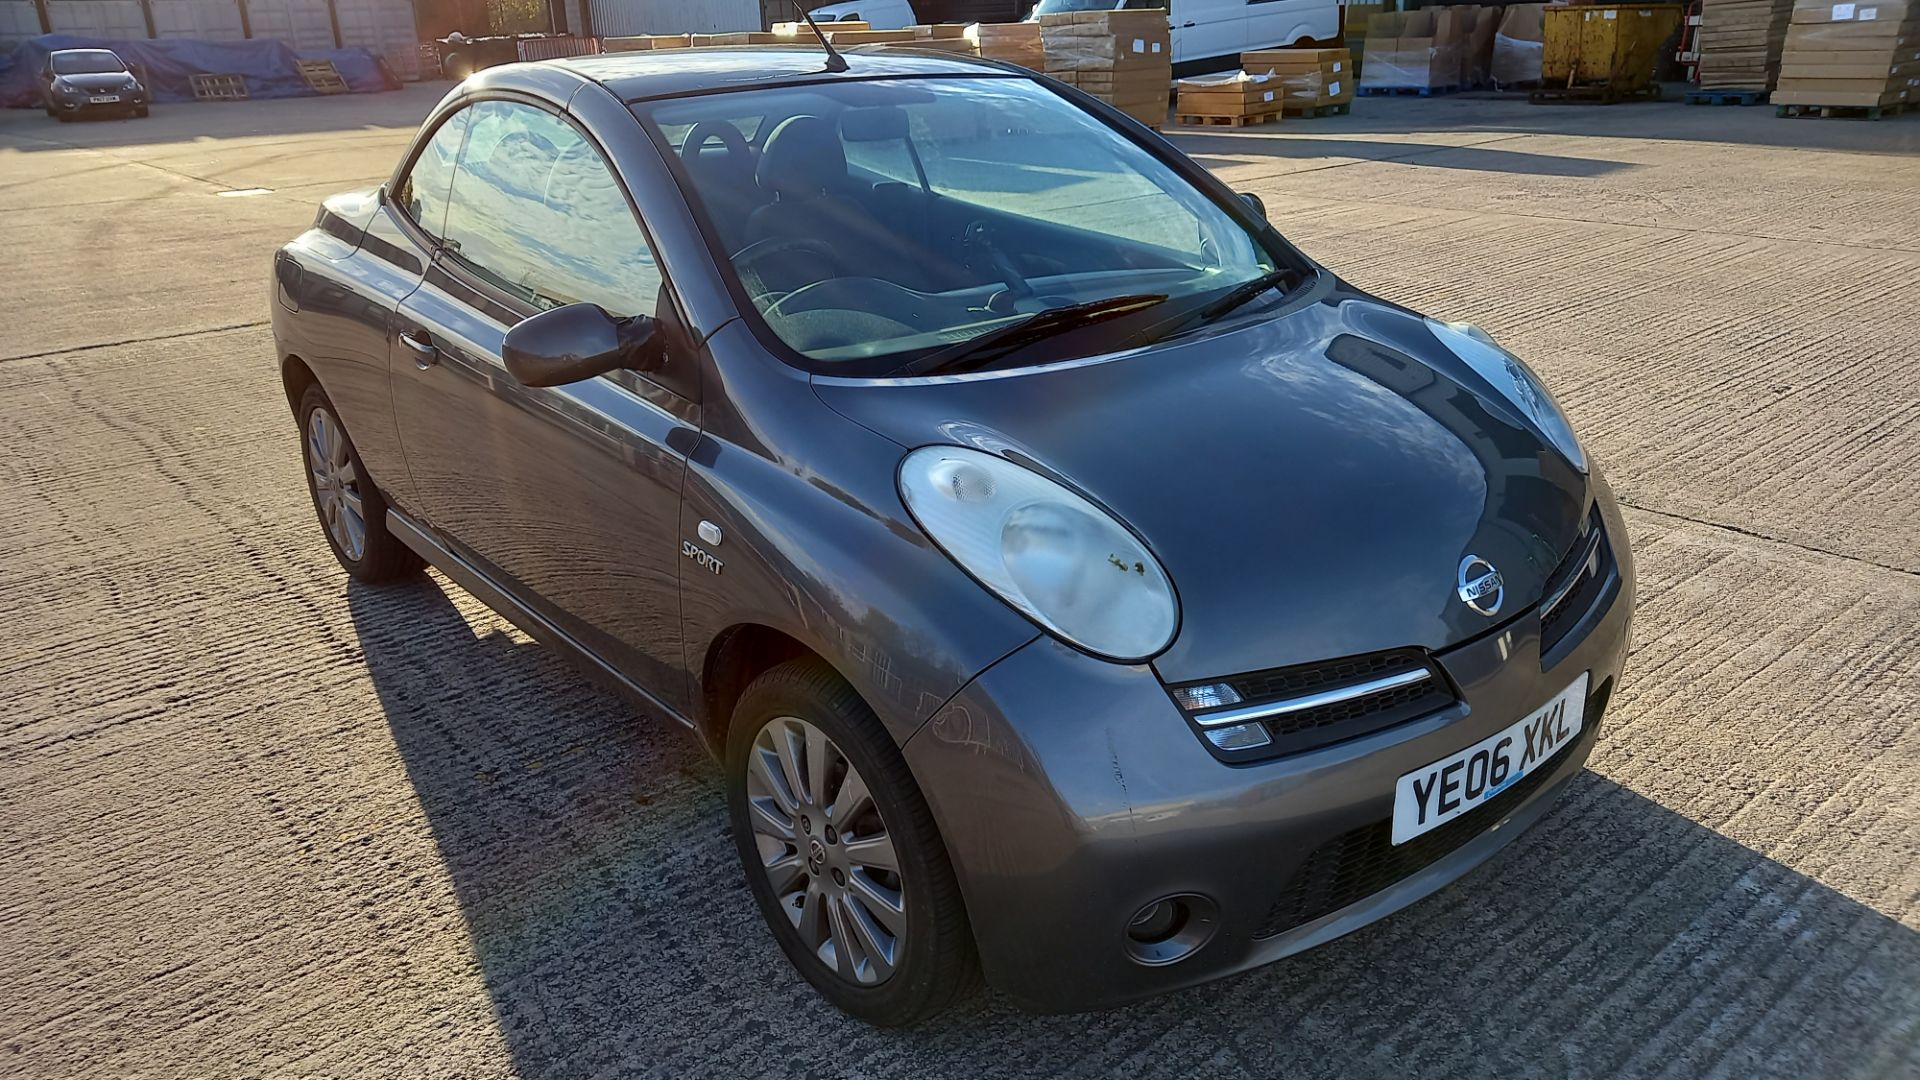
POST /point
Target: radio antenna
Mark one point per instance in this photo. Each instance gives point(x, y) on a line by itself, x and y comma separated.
point(835, 62)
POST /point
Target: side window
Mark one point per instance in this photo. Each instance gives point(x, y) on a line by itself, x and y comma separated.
point(538, 213)
point(423, 194)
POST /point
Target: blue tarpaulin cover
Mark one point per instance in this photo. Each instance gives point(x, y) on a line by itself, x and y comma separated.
point(268, 65)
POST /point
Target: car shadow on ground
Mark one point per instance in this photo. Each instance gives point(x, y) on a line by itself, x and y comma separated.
point(587, 848)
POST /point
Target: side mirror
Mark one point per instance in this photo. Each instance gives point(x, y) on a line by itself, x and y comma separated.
point(577, 342)
point(1252, 200)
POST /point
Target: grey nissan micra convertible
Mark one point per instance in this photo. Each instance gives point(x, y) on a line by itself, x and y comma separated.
point(1081, 586)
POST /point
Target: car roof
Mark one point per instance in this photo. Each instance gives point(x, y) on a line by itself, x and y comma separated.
point(636, 76)
point(77, 52)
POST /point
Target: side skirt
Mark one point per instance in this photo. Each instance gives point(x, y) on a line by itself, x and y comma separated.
point(537, 626)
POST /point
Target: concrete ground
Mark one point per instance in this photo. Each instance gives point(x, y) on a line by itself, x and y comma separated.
point(257, 821)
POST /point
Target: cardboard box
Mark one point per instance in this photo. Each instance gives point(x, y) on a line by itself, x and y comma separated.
point(1823, 11)
point(798, 29)
point(1013, 43)
point(1310, 77)
point(1415, 49)
point(868, 37)
point(958, 46)
point(1239, 94)
point(1862, 56)
point(1123, 57)
point(1333, 60)
point(1476, 56)
point(1792, 93)
point(1880, 71)
point(1100, 39)
point(1848, 36)
point(646, 42)
point(1740, 42)
point(1119, 85)
point(1518, 42)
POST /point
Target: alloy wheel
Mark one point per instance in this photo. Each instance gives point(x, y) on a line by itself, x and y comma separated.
point(826, 851)
point(336, 484)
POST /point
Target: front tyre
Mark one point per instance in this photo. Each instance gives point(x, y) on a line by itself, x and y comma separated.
point(841, 852)
point(353, 513)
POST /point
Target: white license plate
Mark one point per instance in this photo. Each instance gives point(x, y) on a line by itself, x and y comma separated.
point(104, 99)
point(1433, 795)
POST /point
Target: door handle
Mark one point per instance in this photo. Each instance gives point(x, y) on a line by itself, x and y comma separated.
point(1184, 25)
point(425, 352)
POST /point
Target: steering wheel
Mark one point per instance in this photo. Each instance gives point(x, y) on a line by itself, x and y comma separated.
point(746, 261)
point(706, 131)
point(981, 248)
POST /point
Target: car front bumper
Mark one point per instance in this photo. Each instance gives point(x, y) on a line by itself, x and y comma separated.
point(1071, 793)
point(128, 102)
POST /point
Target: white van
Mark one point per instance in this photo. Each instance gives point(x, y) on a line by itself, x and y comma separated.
point(1210, 35)
point(877, 14)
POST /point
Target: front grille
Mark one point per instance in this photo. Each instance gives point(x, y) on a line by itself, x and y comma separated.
point(1296, 720)
point(1576, 584)
point(1360, 862)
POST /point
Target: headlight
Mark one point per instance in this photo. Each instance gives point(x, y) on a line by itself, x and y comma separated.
point(1062, 561)
point(1515, 381)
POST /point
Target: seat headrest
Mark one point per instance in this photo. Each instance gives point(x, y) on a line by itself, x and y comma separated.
point(803, 158)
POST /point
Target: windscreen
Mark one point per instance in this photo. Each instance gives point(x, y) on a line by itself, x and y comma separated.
point(1056, 7)
point(873, 222)
point(91, 62)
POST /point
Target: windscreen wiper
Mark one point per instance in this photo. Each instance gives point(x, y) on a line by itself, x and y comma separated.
point(977, 352)
point(1237, 296)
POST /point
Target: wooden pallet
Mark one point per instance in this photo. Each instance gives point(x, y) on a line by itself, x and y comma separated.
point(322, 77)
point(219, 87)
point(1313, 112)
point(1591, 95)
point(1423, 91)
point(1845, 112)
point(1727, 97)
point(1248, 120)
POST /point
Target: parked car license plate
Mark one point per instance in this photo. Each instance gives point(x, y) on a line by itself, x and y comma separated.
point(1435, 794)
point(104, 99)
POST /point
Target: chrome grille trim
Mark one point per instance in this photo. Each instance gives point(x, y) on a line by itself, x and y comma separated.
point(1581, 568)
point(1271, 709)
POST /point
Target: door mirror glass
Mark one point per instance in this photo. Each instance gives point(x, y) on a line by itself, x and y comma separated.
point(579, 341)
point(1252, 200)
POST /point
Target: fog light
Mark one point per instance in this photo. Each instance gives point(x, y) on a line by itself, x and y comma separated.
point(1239, 736)
point(1210, 696)
point(1157, 921)
point(1171, 929)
